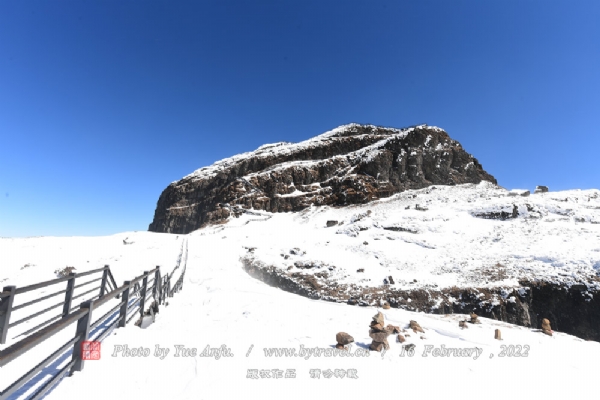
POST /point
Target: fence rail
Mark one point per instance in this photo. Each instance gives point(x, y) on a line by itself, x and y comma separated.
point(133, 298)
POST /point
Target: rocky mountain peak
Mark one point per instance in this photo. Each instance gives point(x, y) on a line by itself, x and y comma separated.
point(351, 164)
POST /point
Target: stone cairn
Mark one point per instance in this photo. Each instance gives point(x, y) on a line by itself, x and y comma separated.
point(546, 328)
point(343, 339)
point(379, 333)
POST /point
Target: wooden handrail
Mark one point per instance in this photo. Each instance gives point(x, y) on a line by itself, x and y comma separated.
point(161, 289)
point(40, 285)
point(23, 346)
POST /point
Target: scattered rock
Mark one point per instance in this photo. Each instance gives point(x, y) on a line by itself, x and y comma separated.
point(297, 252)
point(393, 328)
point(365, 243)
point(331, 223)
point(360, 270)
point(474, 319)
point(541, 189)
point(409, 347)
point(64, 272)
point(400, 339)
point(386, 305)
point(546, 328)
point(497, 334)
point(463, 324)
point(519, 192)
point(416, 327)
point(342, 338)
point(391, 280)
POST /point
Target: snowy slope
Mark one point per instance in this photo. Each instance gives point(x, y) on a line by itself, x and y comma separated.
point(443, 244)
point(441, 237)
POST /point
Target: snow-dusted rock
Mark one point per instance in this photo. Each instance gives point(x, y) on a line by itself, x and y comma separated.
point(352, 164)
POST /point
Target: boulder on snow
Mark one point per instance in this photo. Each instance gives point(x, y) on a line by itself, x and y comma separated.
point(546, 328)
point(343, 338)
point(414, 325)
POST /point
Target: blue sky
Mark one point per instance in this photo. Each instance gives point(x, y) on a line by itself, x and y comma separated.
point(104, 103)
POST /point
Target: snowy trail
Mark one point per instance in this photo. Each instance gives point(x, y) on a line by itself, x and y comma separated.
point(221, 304)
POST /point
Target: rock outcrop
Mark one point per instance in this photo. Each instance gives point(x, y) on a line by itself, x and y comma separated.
point(352, 164)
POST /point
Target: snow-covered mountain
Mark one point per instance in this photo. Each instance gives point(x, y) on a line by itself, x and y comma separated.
point(442, 242)
point(352, 164)
point(402, 222)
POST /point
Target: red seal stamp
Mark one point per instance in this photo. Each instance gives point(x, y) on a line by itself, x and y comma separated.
point(90, 350)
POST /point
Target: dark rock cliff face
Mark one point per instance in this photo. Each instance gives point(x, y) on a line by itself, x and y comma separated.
point(350, 165)
point(574, 310)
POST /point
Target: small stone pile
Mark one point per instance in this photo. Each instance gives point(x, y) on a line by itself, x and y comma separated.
point(343, 339)
point(379, 333)
point(546, 328)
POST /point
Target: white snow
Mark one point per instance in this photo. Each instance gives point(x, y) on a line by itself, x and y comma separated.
point(220, 304)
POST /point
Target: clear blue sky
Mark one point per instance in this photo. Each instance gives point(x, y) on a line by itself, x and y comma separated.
point(104, 103)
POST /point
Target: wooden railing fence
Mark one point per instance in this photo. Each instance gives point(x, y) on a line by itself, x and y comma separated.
point(133, 296)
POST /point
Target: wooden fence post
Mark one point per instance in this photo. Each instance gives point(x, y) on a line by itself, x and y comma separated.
point(69, 294)
point(104, 278)
point(156, 287)
point(112, 280)
point(5, 310)
point(124, 304)
point(143, 295)
point(82, 333)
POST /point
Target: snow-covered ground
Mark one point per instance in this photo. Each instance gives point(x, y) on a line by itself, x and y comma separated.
point(556, 238)
point(440, 237)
